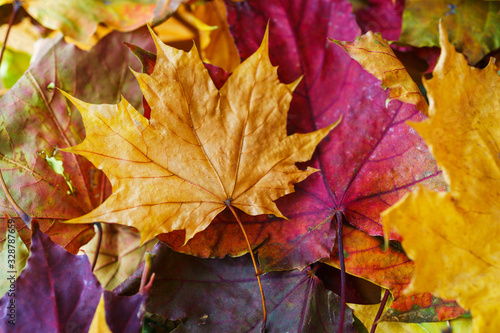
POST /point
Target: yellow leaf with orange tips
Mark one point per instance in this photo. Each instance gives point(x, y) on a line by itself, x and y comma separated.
point(202, 150)
point(376, 56)
point(453, 236)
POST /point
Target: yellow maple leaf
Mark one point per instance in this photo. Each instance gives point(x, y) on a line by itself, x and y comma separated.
point(453, 236)
point(376, 56)
point(202, 150)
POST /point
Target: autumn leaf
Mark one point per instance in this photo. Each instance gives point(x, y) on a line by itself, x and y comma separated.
point(79, 19)
point(376, 56)
point(66, 294)
point(297, 300)
point(220, 49)
point(49, 186)
point(367, 257)
point(17, 55)
point(384, 16)
point(461, 19)
point(76, 287)
point(360, 177)
point(120, 254)
point(148, 61)
point(12, 261)
point(201, 151)
point(452, 236)
point(119, 314)
point(386, 159)
point(366, 314)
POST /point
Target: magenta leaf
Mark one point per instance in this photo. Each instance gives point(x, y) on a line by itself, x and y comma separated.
point(221, 295)
point(384, 16)
point(369, 161)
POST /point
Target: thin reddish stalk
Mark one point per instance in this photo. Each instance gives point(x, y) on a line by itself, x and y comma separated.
point(145, 273)
point(256, 270)
point(338, 216)
point(380, 310)
point(98, 248)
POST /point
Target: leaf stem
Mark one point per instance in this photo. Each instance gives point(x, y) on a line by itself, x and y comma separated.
point(380, 310)
point(145, 273)
point(15, 11)
point(340, 244)
point(257, 273)
point(98, 247)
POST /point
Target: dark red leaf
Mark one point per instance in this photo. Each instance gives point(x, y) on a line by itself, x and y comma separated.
point(124, 313)
point(221, 295)
point(384, 16)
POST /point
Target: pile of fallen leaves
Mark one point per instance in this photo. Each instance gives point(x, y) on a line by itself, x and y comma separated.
point(342, 157)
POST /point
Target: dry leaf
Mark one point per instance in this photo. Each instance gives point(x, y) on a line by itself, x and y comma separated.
point(119, 254)
point(367, 313)
point(376, 56)
point(453, 236)
point(202, 149)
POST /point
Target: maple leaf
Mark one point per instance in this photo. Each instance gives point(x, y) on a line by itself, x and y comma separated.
point(452, 236)
point(201, 151)
point(461, 18)
point(359, 177)
point(229, 299)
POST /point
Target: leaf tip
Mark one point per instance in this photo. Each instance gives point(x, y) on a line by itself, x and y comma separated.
point(264, 45)
point(294, 84)
point(338, 42)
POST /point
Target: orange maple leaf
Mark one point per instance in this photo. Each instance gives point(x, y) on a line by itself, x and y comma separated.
point(202, 150)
